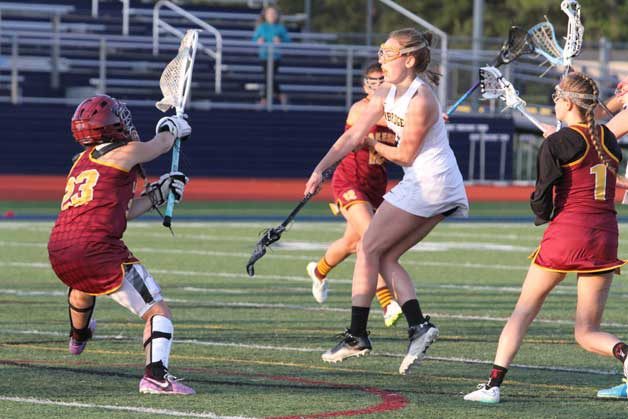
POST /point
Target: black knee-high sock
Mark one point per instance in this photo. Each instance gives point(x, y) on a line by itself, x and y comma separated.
point(497, 376)
point(412, 310)
point(620, 351)
point(359, 319)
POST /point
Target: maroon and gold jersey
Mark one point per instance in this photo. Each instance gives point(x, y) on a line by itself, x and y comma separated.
point(361, 176)
point(583, 235)
point(85, 247)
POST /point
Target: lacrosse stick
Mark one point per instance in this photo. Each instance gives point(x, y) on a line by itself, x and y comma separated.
point(175, 84)
point(518, 43)
point(545, 43)
point(495, 86)
point(271, 235)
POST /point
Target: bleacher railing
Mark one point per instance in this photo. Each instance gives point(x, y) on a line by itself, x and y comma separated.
point(159, 24)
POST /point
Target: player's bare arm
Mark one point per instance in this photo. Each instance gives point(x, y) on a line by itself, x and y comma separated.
point(619, 124)
point(422, 115)
point(350, 139)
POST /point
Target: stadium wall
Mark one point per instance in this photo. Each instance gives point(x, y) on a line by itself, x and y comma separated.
point(232, 153)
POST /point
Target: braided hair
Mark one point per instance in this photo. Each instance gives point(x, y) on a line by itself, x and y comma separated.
point(584, 93)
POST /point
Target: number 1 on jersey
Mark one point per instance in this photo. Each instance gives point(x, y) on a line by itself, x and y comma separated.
point(599, 171)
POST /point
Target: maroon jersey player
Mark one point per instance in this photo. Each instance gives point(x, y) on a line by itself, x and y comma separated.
point(86, 250)
point(575, 193)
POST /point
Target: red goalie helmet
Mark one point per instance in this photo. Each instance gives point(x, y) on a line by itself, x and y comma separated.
point(101, 119)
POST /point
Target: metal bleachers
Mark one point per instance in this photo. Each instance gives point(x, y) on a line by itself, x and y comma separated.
point(313, 71)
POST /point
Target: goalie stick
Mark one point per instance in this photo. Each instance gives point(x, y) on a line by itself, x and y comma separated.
point(175, 83)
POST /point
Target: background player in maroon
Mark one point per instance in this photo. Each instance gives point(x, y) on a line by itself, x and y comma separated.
point(575, 192)
point(359, 184)
point(86, 249)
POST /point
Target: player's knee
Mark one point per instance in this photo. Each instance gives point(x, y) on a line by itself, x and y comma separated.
point(370, 248)
point(158, 309)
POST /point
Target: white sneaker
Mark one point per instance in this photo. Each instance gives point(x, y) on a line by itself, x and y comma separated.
point(320, 289)
point(392, 313)
point(484, 395)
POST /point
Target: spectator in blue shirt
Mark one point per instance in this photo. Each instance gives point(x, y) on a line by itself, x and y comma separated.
point(270, 30)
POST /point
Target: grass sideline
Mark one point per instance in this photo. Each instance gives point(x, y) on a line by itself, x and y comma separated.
point(263, 208)
point(251, 346)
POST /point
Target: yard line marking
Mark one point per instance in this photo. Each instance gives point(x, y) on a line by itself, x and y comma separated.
point(138, 250)
point(144, 410)
point(374, 353)
point(209, 303)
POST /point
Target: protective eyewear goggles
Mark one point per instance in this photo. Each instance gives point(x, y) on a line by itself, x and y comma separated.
point(388, 54)
point(373, 82)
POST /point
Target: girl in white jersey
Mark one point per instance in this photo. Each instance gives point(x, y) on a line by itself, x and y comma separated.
point(432, 188)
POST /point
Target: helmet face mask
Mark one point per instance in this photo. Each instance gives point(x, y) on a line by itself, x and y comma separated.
point(101, 119)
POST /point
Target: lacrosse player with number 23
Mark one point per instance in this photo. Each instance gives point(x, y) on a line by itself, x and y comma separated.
point(86, 250)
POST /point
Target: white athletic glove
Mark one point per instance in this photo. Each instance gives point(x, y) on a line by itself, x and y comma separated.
point(176, 125)
point(158, 191)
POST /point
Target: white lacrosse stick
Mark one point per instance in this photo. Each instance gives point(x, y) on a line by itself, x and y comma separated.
point(494, 86)
point(545, 43)
point(575, 30)
point(175, 84)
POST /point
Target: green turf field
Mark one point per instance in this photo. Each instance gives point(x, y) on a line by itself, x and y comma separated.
point(251, 346)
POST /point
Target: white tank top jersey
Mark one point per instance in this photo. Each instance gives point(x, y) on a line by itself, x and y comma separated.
point(432, 184)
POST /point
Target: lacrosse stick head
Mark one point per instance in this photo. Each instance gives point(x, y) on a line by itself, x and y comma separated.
point(544, 38)
point(269, 236)
point(575, 30)
point(519, 43)
point(494, 86)
point(177, 76)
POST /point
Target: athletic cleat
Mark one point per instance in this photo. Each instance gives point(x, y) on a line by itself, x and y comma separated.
point(169, 385)
point(392, 313)
point(484, 394)
point(320, 289)
point(349, 346)
point(76, 347)
point(421, 337)
point(617, 392)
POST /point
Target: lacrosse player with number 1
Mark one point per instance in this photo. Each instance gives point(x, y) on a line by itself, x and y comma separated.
point(575, 193)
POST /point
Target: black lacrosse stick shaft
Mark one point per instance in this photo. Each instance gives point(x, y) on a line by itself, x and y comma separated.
point(271, 235)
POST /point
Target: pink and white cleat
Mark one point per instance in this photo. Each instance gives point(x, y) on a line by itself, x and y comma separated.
point(169, 385)
point(75, 346)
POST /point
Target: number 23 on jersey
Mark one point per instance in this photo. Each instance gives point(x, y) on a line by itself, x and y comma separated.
point(79, 190)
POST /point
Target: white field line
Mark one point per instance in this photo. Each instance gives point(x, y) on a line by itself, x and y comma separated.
point(317, 308)
point(303, 246)
point(139, 250)
point(276, 348)
point(561, 289)
point(142, 410)
point(249, 238)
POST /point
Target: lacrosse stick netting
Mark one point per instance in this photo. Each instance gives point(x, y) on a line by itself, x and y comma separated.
point(575, 30)
point(519, 43)
point(175, 84)
point(544, 37)
point(494, 86)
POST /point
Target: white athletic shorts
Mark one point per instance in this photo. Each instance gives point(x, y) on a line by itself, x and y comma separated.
point(139, 291)
point(429, 198)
